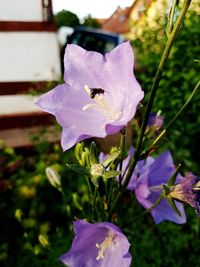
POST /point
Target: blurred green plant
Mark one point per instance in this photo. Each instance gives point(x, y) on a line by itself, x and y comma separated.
point(178, 81)
point(66, 18)
point(89, 21)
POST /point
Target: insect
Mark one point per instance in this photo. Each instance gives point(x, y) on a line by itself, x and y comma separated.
point(96, 91)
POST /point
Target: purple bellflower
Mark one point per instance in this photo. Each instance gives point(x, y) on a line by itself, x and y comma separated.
point(188, 191)
point(152, 174)
point(99, 97)
point(97, 245)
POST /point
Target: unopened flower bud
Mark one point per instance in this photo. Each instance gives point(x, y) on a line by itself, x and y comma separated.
point(43, 240)
point(18, 214)
point(53, 177)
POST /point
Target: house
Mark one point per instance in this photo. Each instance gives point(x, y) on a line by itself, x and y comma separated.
point(119, 21)
point(30, 57)
point(29, 50)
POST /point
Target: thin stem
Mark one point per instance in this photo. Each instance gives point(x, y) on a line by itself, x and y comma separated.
point(122, 146)
point(176, 116)
point(94, 202)
point(88, 184)
point(110, 194)
point(118, 195)
point(154, 88)
point(152, 207)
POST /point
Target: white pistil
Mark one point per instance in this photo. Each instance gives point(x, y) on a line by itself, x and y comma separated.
point(196, 186)
point(111, 114)
point(108, 242)
point(156, 188)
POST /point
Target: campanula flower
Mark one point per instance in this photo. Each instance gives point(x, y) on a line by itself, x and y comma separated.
point(99, 97)
point(149, 186)
point(188, 191)
point(97, 245)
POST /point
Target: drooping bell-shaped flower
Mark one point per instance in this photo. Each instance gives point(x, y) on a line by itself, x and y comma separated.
point(149, 186)
point(99, 97)
point(97, 245)
point(188, 191)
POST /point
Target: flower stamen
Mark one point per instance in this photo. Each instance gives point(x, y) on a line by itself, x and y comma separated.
point(111, 114)
point(108, 242)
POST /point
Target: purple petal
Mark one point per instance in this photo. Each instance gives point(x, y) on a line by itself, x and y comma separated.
point(85, 250)
point(162, 169)
point(76, 111)
point(148, 188)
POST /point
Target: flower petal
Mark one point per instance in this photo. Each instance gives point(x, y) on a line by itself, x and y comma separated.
point(90, 239)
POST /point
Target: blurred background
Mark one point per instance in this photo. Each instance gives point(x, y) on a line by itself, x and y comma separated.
point(33, 37)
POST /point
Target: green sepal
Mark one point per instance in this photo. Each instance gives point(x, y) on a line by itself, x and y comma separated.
point(111, 174)
point(85, 159)
point(78, 168)
point(110, 159)
point(173, 205)
point(173, 177)
point(93, 154)
point(78, 152)
point(166, 189)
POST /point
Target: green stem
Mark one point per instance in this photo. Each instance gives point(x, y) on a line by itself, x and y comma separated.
point(122, 146)
point(154, 88)
point(101, 206)
point(152, 207)
point(88, 184)
point(94, 202)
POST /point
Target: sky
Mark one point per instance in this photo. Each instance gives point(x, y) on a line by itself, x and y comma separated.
point(96, 8)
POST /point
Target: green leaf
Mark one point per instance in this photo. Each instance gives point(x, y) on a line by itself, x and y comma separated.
point(78, 168)
point(111, 174)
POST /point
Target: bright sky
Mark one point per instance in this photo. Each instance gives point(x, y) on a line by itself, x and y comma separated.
point(97, 8)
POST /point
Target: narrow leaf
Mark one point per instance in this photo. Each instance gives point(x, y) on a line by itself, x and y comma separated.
point(78, 168)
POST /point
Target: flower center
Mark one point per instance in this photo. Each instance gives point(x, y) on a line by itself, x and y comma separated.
point(97, 94)
point(97, 169)
point(108, 241)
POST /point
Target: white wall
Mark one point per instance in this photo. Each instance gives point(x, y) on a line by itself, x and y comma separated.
point(21, 10)
point(29, 56)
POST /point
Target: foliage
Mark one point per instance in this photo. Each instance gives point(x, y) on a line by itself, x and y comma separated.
point(91, 22)
point(66, 18)
point(43, 212)
point(178, 81)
